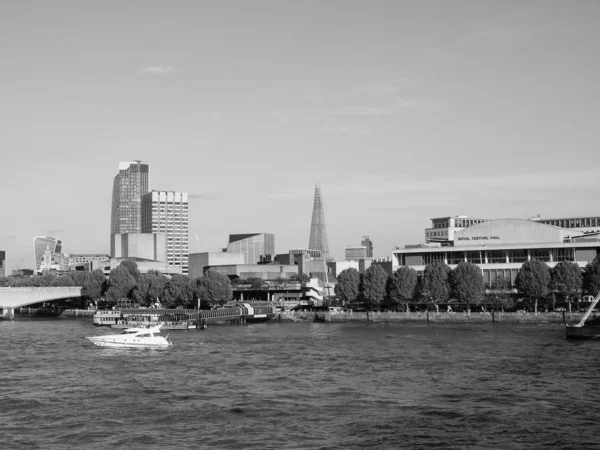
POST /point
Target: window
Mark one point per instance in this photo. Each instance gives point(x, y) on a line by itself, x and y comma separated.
point(496, 257)
point(540, 254)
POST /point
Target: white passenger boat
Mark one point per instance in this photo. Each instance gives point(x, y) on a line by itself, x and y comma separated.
point(133, 338)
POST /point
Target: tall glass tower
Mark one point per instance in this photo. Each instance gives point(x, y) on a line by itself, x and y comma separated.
point(318, 231)
point(130, 185)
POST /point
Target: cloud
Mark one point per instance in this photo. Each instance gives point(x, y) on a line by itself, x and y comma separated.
point(53, 231)
point(489, 185)
point(362, 110)
point(341, 129)
point(158, 70)
point(201, 196)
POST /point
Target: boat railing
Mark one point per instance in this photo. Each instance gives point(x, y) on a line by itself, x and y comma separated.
point(589, 311)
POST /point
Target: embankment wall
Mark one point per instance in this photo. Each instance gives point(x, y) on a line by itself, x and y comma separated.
point(442, 317)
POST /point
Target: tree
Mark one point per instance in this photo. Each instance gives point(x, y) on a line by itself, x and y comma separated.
point(179, 291)
point(132, 267)
point(402, 286)
point(533, 280)
point(566, 279)
point(120, 284)
point(591, 277)
point(256, 283)
point(347, 286)
point(214, 288)
point(150, 287)
point(435, 285)
point(467, 283)
point(374, 284)
point(95, 286)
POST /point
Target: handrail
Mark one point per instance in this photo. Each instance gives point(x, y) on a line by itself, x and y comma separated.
point(589, 311)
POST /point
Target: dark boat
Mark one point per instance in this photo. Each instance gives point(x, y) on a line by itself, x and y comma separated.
point(586, 328)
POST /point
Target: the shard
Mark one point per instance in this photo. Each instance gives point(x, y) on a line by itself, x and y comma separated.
point(318, 231)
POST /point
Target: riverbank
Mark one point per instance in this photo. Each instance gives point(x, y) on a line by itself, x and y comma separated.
point(432, 317)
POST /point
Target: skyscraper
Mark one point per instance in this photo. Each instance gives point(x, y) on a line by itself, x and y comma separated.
point(167, 212)
point(318, 232)
point(369, 245)
point(130, 185)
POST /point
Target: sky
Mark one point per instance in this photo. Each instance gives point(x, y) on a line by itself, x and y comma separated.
point(401, 110)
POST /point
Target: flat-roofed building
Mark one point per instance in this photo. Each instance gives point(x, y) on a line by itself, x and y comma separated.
point(150, 246)
point(166, 212)
point(501, 246)
point(254, 246)
point(355, 253)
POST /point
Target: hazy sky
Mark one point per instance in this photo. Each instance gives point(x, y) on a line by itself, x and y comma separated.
point(403, 111)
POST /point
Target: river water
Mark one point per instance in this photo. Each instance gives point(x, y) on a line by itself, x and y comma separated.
point(300, 386)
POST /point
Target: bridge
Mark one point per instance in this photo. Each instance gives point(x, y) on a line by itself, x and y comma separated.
point(16, 297)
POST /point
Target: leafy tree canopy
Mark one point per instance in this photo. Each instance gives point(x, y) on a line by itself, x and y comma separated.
point(120, 284)
point(467, 283)
point(347, 286)
point(402, 285)
point(374, 284)
point(591, 277)
point(435, 285)
point(533, 279)
point(216, 288)
point(566, 279)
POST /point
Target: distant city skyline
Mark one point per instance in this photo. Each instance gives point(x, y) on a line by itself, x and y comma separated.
point(401, 110)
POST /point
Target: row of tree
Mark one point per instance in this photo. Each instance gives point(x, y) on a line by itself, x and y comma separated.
point(464, 284)
point(126, 281)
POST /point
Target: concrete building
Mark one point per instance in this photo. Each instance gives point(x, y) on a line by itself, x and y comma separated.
point(200, 262)
point(2, 263)
point(335, 267)
point(149, 246)
point(143, 265)
point(166, 212)
point(264, 271)
point(443, 228)
point(254, 246)
point(355, 253)
point(500, 247)
point(129, 186)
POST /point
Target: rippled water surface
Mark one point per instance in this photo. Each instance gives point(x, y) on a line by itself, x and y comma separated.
point(300, 385)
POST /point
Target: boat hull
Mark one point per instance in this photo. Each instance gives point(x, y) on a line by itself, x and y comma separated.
point(131, 344)
point(584, 332)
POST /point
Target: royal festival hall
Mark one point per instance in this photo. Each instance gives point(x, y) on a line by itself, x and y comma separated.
point(501, 246)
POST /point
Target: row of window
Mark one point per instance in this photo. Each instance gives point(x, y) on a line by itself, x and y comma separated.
point(574, 223)
point(497, 256)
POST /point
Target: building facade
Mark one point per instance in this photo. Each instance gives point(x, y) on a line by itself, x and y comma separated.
point(500, 247)
point(254, 246)
point(166, 212)
point(130, 185)
point(150, 246)
point(366, 241)
point(355, 253)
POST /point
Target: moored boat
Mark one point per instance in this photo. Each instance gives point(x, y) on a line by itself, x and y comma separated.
point(586, 328)
point(133, 338)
